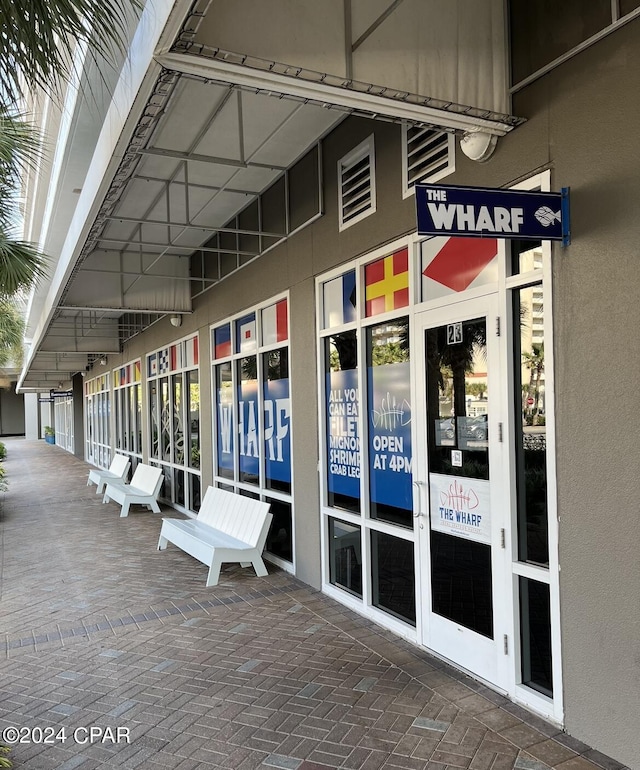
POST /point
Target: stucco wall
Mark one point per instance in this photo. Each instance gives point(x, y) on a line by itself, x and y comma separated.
point(589, 113)
point(583, 125)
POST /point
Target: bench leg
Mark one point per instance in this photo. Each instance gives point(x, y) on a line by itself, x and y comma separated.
point(106, 499)
point(214, 570)
point(154, 507)
point(162, 543)
point(100, 488)
point(125, 509)
point(258, 565)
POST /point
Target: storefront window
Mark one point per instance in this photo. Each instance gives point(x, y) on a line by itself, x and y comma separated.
point(342, 414)
point(252, 415)
point(248, 426)
point(449, 266)
point(530, 429)
point(389, 425)
point(277, 451)
point(174, 419)
point(345, 556)
point(393, 576)
point(127, 411)
point(225, 422)
point(535, 636)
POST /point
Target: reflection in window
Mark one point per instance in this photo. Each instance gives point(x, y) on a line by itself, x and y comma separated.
point(342, 405)
point(177, 427)
point(530, 430)
point(461, 582)
point(345, 556)
point(393, 576)
point(457, 399)
point(535, 635)
point(165, 419)
point(153, 415)
point(194, 418)
point(280, 537)
point(525, 256)
point(248, 447)
point(389, 410)
point(194, 491)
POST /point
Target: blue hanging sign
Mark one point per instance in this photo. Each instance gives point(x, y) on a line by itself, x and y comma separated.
point(490, 212)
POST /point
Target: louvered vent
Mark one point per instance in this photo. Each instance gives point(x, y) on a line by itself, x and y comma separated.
point(429, 155)
point(357, 188)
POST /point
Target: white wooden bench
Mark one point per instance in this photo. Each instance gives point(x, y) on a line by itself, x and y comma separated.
point(228, 528)
point(117, 472)
point(143, 490)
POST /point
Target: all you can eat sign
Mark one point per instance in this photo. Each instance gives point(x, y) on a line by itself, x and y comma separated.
point(489, 212)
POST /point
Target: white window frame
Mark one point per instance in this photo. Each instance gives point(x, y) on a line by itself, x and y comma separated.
point(261, 489)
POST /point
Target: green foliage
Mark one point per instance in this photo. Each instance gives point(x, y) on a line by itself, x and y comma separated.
point(4, 759)
point(38, 38)
point(389, 353)
point(49, 431)
point(11, 332)
point(3, 451)
point(3, 486)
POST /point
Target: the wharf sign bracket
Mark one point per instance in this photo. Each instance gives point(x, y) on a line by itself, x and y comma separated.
point(493, 212)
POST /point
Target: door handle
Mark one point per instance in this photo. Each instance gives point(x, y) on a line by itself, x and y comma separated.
point(418, 485)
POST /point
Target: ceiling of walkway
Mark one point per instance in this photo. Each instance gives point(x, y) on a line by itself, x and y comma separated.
point(216, 131)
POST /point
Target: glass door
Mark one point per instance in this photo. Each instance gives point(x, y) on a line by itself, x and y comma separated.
point(460, 480)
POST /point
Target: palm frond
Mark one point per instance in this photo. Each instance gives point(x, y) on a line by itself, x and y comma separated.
point(38, 38)
point(19, 145)
point(21, 265)
point(11, 332)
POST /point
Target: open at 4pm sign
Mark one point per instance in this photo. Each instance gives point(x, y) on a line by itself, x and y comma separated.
point(488, 212)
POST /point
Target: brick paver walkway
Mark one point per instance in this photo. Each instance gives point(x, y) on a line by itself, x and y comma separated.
point(100, 630)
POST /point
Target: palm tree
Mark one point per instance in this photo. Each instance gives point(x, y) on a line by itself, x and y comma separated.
point(38, 38)
point(11, 331)
point(37, 42)
point(20, 263)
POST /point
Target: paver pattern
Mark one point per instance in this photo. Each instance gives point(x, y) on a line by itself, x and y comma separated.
point(100, 630)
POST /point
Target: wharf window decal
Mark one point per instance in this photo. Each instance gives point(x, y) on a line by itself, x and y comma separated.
point(275, 326)
point(126, 375)
point(277, 414)
point(224, 434)
point(387, 283)
point(389, 405)
point(343, 408)
point(97, 385)
point(452, 265)
point(222, 342)
point(252, 414)
point(245, 329)
point(339, 300)
point(182, 355)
